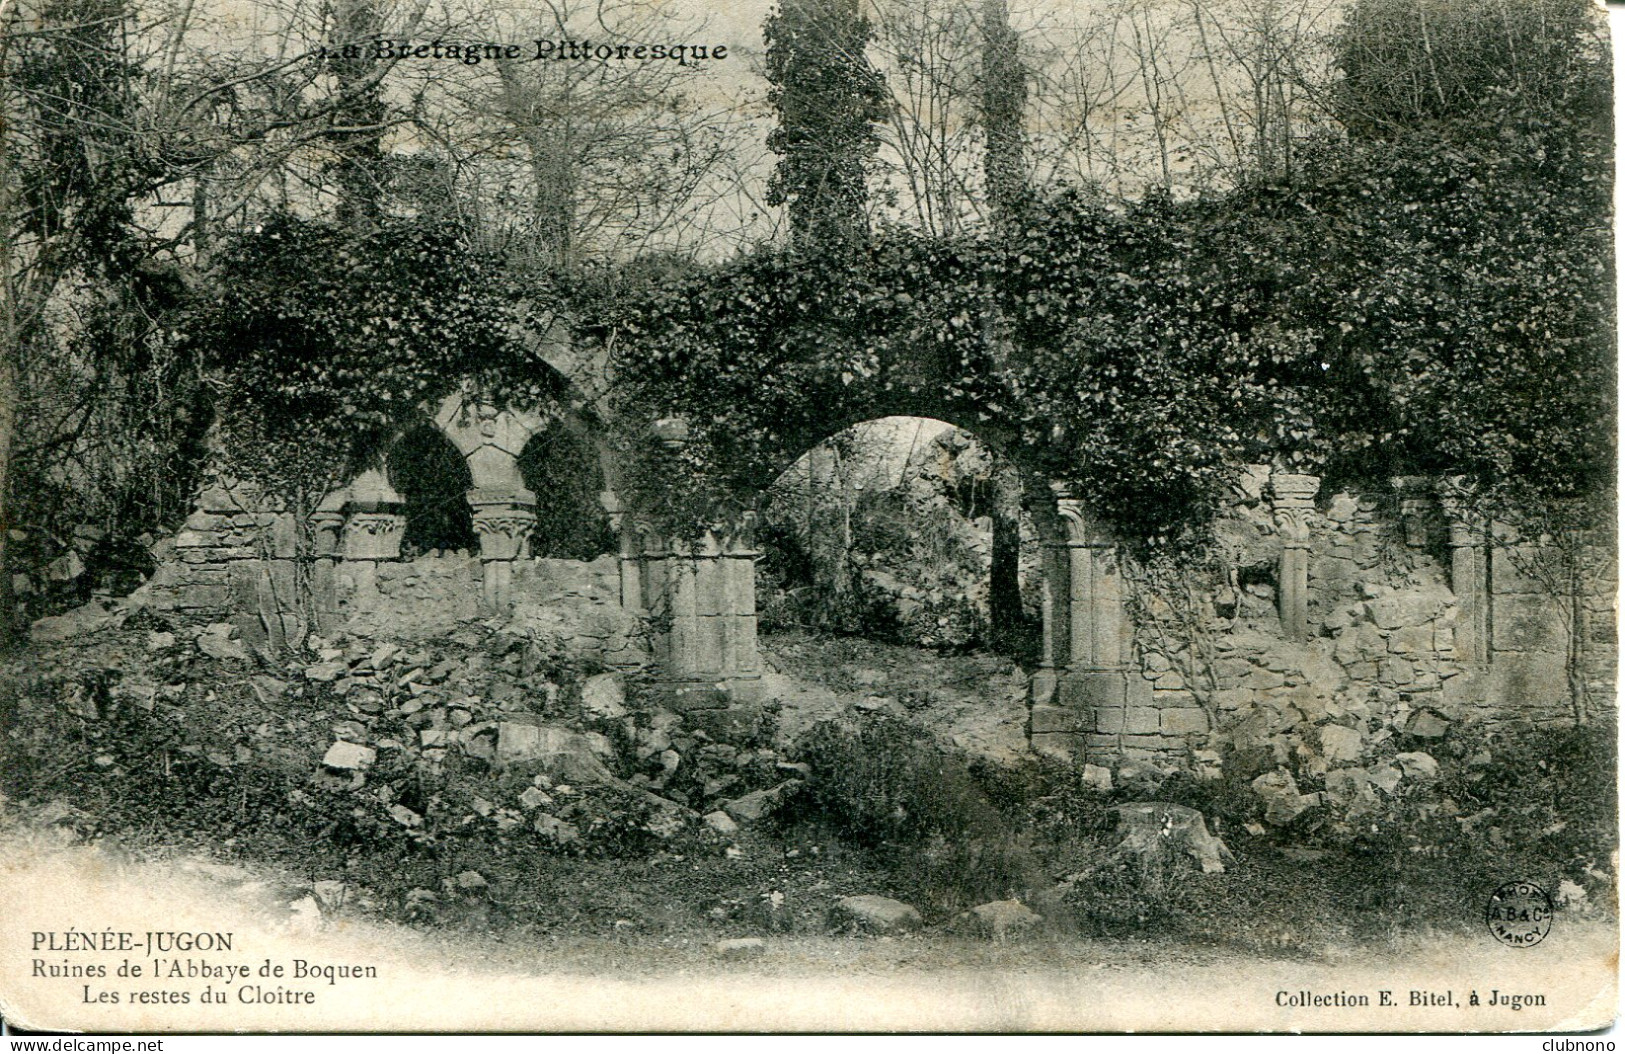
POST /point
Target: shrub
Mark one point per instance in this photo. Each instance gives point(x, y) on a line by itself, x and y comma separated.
point(890, 787)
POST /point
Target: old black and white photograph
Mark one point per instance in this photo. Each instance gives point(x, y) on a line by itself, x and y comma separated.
point(855, 516)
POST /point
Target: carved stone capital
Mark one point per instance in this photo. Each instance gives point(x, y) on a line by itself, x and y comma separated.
point(740, 537)
point(1415, 505)
point(503, 521)
point(1294, 501)
point(327, 529)
point(1080, 529)
point(1468, 526)
point(373, 535)
point(1294, 527)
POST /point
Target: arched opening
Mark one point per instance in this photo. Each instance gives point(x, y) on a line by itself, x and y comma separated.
point(903, 530)
point(434, 479)
point(561, 466)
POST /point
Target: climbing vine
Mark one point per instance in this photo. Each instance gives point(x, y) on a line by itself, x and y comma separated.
point(1406, 308)
point(323, 342)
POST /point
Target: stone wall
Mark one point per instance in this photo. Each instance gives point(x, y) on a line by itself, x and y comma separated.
point(1326, 625)
point(1378, 649)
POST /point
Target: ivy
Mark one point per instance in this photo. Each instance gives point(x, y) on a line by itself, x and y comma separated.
point(1409, 309)
point(325, 342)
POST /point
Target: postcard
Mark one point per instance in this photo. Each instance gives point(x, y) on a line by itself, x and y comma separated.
point(808, 516)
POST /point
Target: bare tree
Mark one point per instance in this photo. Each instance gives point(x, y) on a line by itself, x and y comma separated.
point(931, 55)
point(559, 161)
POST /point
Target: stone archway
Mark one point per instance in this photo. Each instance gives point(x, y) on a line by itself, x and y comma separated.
point(702, 597)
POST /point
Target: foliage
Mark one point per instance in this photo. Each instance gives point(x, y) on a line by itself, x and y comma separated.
point(1445, 66)
point(888, 786)
point(828, 99)
point(1407, 309)
point(325, 341)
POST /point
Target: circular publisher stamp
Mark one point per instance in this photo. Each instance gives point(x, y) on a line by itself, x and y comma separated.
point(1519, 914)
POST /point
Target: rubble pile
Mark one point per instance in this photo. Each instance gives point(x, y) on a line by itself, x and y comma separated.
point(485, 728)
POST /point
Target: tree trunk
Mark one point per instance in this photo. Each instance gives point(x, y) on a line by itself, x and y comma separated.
point(1003, 106)
point(1006, 620)
point(11, 624)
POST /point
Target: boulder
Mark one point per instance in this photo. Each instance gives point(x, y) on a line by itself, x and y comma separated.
point(1138, 777)
point(534, 798)
point(327, 671)
point(874, 914)
point(1096, 777)
point(81, 620)
point(1417, 765)
point(216, 641)
point(1427, 724)
point(1340, 743)
point(720, 822)
point(1153, 829)
point(1351, 790)
point(561, 753)
point(556, 830)
point(1282, 802)
point(1386, 777)
point(758, 804)
point(1000, 918)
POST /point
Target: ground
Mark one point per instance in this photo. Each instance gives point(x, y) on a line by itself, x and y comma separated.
point(457, 979)
point(164, 757)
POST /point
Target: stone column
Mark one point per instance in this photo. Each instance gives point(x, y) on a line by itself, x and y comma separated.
point(1054, 608)
point(1080, 702)
point(738, 568)
point(1294, 496)
point(1469, 577)
point(217, 550)
point(327, 538)
point(1415, 505)
point(503, 519)
point(629, 551)
point(374, 524)
point(371, 538)
point(1096, 625)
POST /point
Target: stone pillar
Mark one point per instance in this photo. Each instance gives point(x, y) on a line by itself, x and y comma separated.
point(217, 550)
point(1080, 698)
point(327, 538)
point(1096, 632)
point(1294, 496)
point(629, 551)
point(1415, 508)
point(503, 519)
point(702, 597)
point(1469, 577)
point(738, 568)
point(374, 524)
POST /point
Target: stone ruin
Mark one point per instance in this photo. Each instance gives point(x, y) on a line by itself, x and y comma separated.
point(1338, 614)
